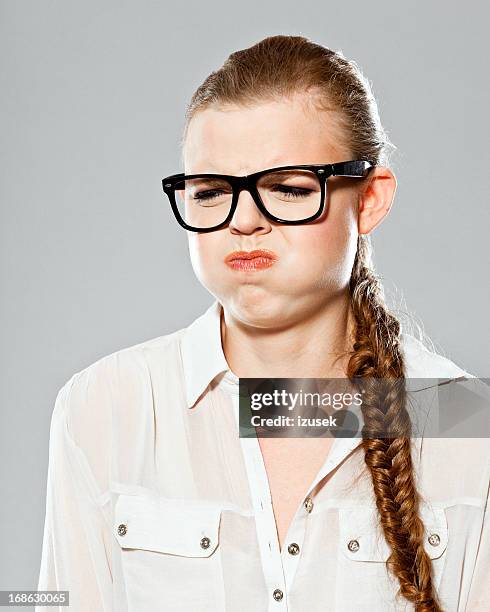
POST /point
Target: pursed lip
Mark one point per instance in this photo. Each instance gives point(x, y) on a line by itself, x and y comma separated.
point(238, 255)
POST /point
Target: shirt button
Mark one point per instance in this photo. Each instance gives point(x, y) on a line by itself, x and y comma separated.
point(122, 529)
point(353, 545)
point(293, 548)
point(278, 594)
point(434, 539)
point(205, 542)
point(308, 504)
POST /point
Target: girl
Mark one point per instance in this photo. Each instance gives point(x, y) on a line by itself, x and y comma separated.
point(154, 501)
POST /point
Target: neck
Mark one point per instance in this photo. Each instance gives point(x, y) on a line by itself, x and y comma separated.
point(312, 347)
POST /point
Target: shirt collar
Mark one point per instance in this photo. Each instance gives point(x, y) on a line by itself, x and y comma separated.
point(203, 357)
point(202, 353)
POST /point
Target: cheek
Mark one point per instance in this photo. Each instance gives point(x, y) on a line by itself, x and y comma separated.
point(324, 252)
point(204, 251)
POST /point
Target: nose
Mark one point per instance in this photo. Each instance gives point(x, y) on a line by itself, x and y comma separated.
point(247, 218)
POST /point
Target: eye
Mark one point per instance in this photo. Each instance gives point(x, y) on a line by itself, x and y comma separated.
point(294, 192)
point(211, 197)
point(207, 195)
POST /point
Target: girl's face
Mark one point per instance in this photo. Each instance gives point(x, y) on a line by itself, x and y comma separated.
point(314, 260)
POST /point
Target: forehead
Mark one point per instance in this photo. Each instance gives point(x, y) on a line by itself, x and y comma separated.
point(242, 140)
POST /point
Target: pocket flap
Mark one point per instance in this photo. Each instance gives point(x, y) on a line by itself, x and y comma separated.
point(362, 538)
point(174, 526)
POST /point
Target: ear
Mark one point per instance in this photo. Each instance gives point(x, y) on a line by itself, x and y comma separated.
point(375, 198)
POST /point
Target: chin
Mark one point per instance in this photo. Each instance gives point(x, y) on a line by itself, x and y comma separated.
point(255, 306)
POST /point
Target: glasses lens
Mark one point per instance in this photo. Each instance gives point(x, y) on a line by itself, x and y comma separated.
point(203, 202)
point(290, 195)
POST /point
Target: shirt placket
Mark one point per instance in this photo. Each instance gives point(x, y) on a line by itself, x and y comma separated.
point(268, 542)
point(277, 587)
point(280, 566)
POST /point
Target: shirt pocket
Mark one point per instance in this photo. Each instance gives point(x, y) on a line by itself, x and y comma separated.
point(364, 552)
point(170, 556)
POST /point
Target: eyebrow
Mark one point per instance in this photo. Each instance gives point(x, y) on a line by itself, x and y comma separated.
point(274, 163)
point(279, 167)
point(209, 182)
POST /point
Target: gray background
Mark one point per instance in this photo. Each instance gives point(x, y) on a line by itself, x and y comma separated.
point(92, 105)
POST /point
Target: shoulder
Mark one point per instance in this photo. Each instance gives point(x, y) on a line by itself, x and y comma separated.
point(121, 380)
point(126, 360)
point(104, 414)
point(456, 452)
point(423, 361)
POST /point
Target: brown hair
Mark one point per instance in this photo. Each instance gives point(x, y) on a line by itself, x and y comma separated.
point(279, 66)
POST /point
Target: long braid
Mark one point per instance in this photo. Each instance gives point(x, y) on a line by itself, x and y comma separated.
point(376, 353)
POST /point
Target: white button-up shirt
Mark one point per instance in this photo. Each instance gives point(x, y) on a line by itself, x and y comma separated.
point(154, 502)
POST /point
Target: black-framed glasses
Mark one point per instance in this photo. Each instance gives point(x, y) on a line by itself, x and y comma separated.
point(290, 195)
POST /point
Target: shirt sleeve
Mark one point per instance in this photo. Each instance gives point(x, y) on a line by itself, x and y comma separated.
point(479, 595)
point(76, 550)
